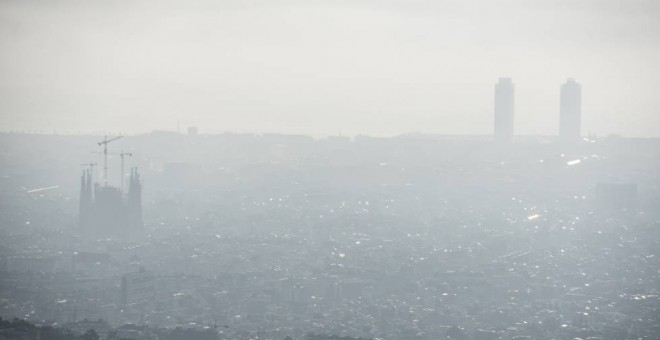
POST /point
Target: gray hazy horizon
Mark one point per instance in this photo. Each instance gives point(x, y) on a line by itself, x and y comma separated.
point(321, 67)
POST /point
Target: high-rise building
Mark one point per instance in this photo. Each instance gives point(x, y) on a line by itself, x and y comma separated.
point(504, 93)
point(570, 111)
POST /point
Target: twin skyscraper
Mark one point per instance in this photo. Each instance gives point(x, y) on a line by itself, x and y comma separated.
point(569, 110)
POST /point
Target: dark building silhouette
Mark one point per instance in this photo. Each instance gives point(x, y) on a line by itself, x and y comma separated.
point(504, 94)
point(85, 207)
point(134, 201)
point(570, 111)
point(107, 211)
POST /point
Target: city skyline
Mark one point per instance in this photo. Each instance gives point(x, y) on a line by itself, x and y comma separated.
point(375, 68)
point(570, 114)
point(329, 170)
point(569, 117)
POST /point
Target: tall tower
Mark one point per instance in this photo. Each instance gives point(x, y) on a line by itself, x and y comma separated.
point(570, 111)
point(106, 212)
point(504, 91)
point(134, 203)
point(86, 199)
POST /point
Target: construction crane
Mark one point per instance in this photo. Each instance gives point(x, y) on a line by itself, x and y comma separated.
point(105, 142)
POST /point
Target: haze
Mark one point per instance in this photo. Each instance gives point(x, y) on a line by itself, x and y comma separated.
point(325, 67)
point(329, 170)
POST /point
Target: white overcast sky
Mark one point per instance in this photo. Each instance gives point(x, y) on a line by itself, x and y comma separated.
point(379, 67)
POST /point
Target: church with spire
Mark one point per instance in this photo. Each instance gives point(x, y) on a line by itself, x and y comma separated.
point(107, 211)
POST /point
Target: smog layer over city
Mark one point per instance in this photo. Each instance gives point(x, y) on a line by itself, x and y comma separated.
point(329, 170)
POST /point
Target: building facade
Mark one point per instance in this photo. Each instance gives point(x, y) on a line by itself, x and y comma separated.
point(570, 111)
point(106, 211)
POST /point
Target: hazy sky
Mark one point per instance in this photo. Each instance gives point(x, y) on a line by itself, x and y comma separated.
point(378, 67)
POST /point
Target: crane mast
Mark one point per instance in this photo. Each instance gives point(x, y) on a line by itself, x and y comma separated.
point(105, 142)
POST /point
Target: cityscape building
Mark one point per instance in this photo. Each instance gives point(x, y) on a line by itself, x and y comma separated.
point(106, 211)
point(504, 107)
point(570, 111)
